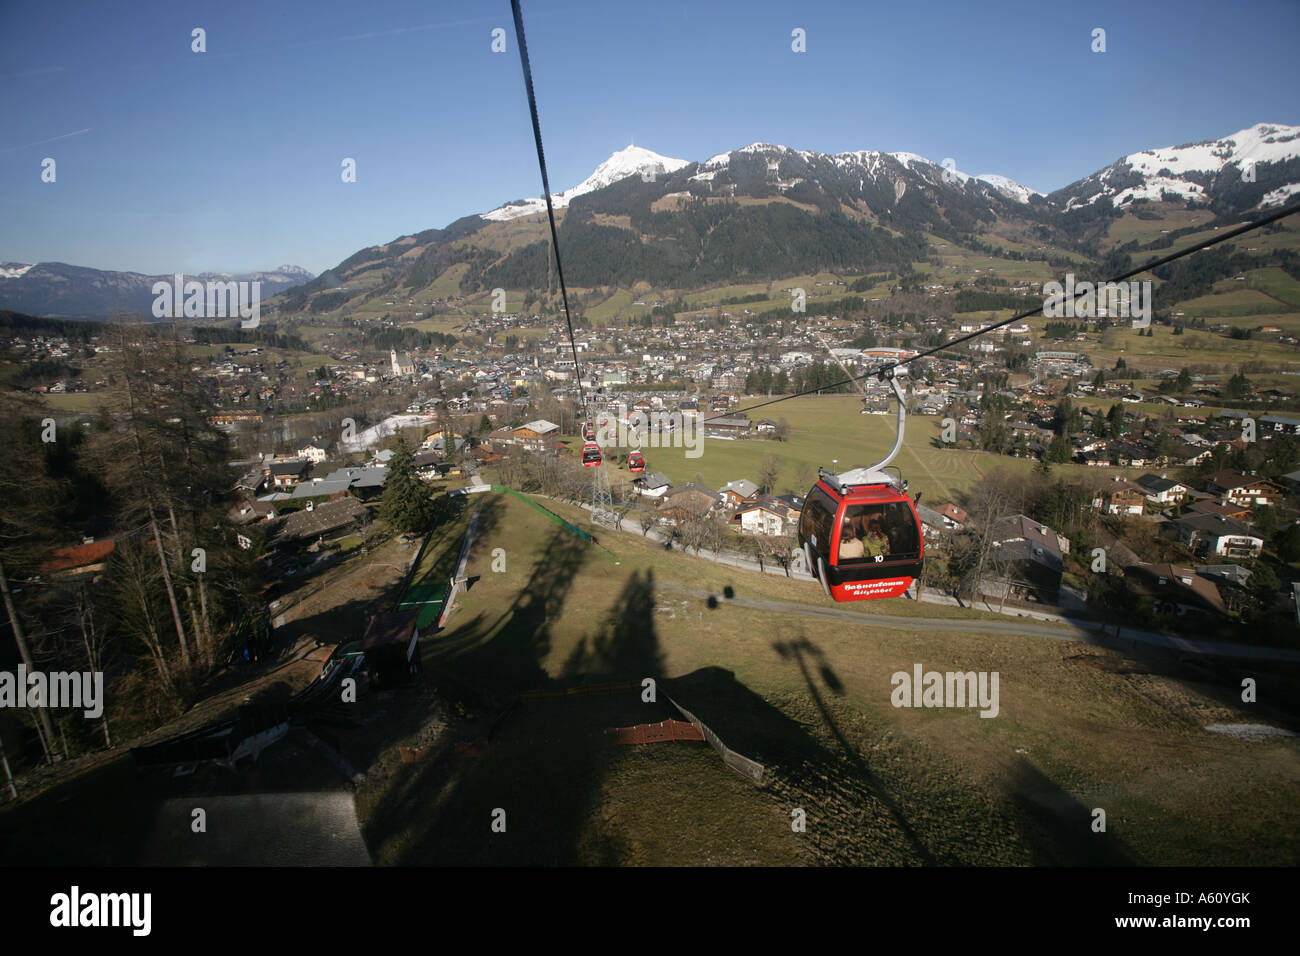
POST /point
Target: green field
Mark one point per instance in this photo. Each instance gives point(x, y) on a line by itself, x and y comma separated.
point(1230, 299)
point(829, 427)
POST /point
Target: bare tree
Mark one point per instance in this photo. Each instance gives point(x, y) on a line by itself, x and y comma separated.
point(768, 471)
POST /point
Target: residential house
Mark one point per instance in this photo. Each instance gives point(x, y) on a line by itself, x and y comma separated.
point(1208, 506)
point(286, 474)
point(1216, 534)
point(535, 434)
point(653, 485)
point(323, 522)
point(735, 492)
point(1119, 496)
point(1175, 589)
point(688, 501)
point(1162, 490)
point(766, 516)
point(1241, 488)
point(727, 426)
point(1027, 560)
point(246, 512)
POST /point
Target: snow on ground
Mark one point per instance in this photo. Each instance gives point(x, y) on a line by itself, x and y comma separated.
point(1278, 196)
point(371, 436)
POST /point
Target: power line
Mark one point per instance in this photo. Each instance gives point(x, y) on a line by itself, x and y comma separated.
point(1155, 263)
point(546, 189)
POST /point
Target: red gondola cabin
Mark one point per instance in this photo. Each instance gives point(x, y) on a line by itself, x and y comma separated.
point(861, 541)
point(636, 462)
point(590, 454)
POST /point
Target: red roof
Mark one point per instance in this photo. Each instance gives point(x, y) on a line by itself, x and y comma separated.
point(78, 556)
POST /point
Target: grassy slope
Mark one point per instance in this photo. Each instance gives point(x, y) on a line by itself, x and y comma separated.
point(1079, 728)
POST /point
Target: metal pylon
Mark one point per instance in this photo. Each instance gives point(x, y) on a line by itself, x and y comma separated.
point(602, 500)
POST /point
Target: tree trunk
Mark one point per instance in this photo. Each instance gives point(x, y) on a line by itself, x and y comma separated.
point(171, 591)
point(9, 774)
point(90, 641)
point(44, 726)
point(208, 649)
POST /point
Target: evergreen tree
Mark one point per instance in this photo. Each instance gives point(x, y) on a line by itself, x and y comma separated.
point(406, 504)
point(1099, 424)
point(1059, 450)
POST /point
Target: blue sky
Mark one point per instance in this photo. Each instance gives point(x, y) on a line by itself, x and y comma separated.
point(230, 160)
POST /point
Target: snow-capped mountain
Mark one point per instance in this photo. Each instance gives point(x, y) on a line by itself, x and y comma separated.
point(870, 164)
point(56, 288)
point(630, 161)
point(1193, 172)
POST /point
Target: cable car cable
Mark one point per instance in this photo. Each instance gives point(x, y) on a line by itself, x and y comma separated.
point(546, 189)
point(1155, 263)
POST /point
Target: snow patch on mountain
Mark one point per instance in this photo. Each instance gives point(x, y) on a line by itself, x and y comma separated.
point(1172, 170)
point(627, 162)
point(1278, 196)
point(12, 270)
point(1008, 187)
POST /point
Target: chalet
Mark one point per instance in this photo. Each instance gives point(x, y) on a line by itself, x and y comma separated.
point(312, 453)
point(653, 485)
point(535, 434)
point(323, 522)
point(426, 464)
point(765, 426)
point(735, 492)
point(1174, 589)
point(1208, 506)
point(1027, 560)
point(286, 474)
point(950, 517)
point(1162, 490)
point(1024, 528)
point(932, 523)
point(727, 426)
point(1216, 534)
point(1241, 488)
point(246, 512)
point(1119, 497)
point(1277, 423)
point(766, 516)
point(689, 500)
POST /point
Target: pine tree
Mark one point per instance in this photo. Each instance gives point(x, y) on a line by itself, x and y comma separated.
point(406, 504)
